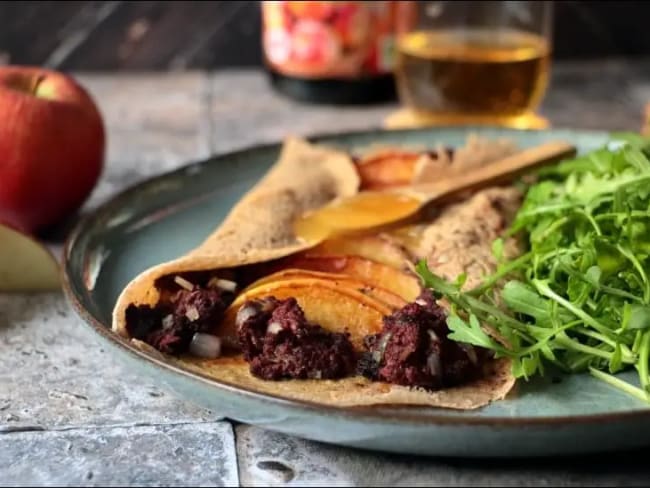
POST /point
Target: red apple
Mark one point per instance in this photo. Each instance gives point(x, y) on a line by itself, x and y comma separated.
point(51, 146)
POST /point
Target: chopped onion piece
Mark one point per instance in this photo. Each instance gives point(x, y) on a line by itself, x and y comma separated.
point(192, 314)
point(434, 365)
point(433, 336)
point(183, 283)
point(378, 354)
point(470, 351)
point(245, 313)
point(274, 328)
point(205, 346)
point(226, 285)
point(168, 322)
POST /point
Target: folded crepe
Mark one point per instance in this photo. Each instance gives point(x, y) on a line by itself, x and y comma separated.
point(259, 229)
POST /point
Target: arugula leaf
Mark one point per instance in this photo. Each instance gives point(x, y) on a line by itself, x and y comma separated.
point(642, 366)
point(526, 367)
point(472, 333)
point(579, 297)
point(638, 317)
point(497, 249)
point(615, 362)
point(523, 299)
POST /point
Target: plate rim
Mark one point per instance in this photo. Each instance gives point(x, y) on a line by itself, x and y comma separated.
point(398, 414)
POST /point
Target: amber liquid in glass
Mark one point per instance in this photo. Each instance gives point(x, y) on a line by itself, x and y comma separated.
point(464, 73)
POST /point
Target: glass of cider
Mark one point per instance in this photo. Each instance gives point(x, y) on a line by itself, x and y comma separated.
point(474, 61)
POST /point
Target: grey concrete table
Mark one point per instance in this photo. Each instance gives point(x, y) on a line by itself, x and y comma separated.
point(69, 413)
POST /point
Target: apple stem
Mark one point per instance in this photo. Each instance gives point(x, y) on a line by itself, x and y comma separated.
point(38, 81)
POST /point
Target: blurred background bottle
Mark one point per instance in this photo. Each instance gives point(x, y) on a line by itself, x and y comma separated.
point(330, 52)
point(473, 61)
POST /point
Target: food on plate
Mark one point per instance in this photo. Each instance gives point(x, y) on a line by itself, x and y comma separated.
point(258, 229)
point(387, 167)
point(507, 282)
point(379, 248)
point(51, 147)
point(578, 298)
point(324, 302)
point(356, 215)
point(400, 282)
point(341, 322)
point(512, 281)
point(413, 349)
point(455, 242)
point(280, 343)
point(25, 264)
point(503, 283)
point(294, 276)
point(185, 311)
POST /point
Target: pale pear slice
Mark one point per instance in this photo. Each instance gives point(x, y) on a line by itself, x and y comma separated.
point(26, 265)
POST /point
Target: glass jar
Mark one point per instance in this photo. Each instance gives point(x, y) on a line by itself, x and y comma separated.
point(330, 52)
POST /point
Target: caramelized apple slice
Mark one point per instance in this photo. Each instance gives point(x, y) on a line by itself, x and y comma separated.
point(405, 285)
point(374, 247)
point(335, 308)
point(25, 264)
point(387, 297)
point(383, 169)
point(408, 237)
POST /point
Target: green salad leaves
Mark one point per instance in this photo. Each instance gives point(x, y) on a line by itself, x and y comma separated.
point(578, 299)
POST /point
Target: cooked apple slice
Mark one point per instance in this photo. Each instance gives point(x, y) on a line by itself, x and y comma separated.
point(25, 264)
point(335, 308)
point(377, 248)
point(405, 285)
point(386, 168)
point(387, 297)
point(408, 237)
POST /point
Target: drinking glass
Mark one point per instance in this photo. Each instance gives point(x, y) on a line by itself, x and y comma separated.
point(474, 61)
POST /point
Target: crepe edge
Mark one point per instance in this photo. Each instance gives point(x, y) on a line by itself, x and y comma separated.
point(141, 289)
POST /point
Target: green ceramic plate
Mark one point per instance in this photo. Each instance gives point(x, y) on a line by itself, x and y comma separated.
point(166, 216)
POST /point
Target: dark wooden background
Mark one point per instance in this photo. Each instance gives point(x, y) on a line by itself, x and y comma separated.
point(179, 35)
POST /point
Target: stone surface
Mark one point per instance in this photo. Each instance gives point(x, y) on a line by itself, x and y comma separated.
point(54, 374)
point(58, 383)
point(153, 124)
point(150, 102)
point(162, 455)
point(602, 95)
point(271, 459)
point(253, 113)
